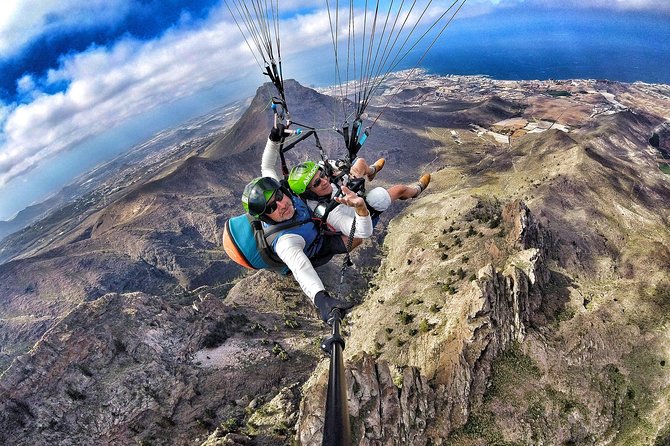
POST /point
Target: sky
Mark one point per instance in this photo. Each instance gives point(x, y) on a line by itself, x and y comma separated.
point(81, 77)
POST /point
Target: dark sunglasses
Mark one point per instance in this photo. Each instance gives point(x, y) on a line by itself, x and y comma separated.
point(319, 179)
point(271, 206)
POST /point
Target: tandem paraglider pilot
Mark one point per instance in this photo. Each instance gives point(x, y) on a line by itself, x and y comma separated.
point(278, 232)
point(298, 242)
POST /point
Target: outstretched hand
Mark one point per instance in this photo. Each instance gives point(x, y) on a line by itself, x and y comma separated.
point(351, 199)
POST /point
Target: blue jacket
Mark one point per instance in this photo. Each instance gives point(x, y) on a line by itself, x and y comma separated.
point(307, 229)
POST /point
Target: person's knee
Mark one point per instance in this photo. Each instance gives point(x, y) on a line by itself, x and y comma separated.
point(378, 199)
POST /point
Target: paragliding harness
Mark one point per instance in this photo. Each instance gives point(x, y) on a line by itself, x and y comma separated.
point(338, 171)
point(248, 244)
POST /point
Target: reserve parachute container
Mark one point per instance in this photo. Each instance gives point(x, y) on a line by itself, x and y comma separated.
point(249, 245)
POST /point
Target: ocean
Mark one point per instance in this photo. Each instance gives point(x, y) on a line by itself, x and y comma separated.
point(559, 45)
point(520, 44)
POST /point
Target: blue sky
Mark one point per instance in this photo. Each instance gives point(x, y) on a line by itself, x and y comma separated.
point(78, 76)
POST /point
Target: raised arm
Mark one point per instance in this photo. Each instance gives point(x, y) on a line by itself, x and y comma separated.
point(289, 248)
point(270, 157)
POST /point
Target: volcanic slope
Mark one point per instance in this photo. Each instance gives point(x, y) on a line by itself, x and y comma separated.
point(230, 361)
point(537, 312)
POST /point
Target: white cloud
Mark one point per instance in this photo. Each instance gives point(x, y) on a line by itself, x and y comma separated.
point(107, 86)
point(4, 112)
point(22, 21)
point(25, 84)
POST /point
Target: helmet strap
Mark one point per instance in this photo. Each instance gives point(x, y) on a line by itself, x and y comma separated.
point(265, 219)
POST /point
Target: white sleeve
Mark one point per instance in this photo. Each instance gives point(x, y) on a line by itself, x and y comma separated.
point(343, 216)
point(289, 248)
point(269, 160)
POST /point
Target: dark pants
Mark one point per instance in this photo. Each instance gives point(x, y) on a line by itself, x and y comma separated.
point(332, 245)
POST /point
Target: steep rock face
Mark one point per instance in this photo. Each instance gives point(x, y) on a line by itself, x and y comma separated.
point(383, 414)
point(421, 405)
point(73, 387)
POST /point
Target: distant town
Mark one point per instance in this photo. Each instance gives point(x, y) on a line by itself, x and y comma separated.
point(559, 103)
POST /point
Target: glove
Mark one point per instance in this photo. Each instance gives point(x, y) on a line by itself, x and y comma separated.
point(277, 133)
point(326, 304)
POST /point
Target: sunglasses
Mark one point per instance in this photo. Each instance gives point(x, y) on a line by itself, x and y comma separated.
point(270, 207)
point(319, 179)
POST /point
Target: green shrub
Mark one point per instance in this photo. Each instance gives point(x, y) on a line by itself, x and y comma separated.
point(230, 425)
point(279, 352)
point(291, 323)
point(460, 273)
point(405, 317)
point(425, 326)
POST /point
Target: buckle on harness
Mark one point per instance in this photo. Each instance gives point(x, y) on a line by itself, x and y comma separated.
point(320, 210)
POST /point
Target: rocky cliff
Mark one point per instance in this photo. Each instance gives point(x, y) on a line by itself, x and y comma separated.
point(445, 361)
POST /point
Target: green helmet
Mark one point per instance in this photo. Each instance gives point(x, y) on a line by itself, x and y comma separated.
point(257, 193)
point(301, 175)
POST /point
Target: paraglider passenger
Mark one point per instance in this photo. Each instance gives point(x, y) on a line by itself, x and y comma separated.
point(309, 181)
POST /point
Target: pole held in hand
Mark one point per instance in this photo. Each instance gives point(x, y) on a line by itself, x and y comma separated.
point(336, 428)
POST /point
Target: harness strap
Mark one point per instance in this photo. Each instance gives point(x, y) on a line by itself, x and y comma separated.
point(284, 166)
point(347, 259)
point(265, 238)
point(265, 252)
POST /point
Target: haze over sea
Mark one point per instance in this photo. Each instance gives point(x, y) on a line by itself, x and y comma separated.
point(514, 44)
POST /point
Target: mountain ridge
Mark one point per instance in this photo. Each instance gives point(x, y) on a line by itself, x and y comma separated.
point(149, 262)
